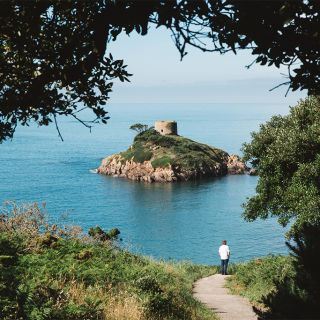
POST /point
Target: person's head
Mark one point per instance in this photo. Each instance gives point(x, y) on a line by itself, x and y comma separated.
point(224, 241)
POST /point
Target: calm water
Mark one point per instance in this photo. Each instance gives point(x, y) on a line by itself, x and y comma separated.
point(179, 221)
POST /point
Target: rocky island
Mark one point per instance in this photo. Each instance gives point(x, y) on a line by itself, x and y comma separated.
point(159, 154)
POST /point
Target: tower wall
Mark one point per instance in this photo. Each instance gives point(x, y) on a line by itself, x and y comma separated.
point(166, 127)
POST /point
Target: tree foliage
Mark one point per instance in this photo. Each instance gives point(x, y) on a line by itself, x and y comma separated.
point(305, 251)
point(139, 127)
point(286, 152)
point(53, 57)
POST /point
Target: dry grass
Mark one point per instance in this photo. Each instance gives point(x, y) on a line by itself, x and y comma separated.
point(123, 306)
point(115, 306)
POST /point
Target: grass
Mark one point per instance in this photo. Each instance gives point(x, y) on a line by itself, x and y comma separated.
point(162, 162)
point(47, 272)
point(277, 287)
point(138, 153)
point(269, 284)
point(257, 278)
point(181, 153)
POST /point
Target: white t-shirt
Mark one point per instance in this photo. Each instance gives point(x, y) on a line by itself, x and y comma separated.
point(224, 252)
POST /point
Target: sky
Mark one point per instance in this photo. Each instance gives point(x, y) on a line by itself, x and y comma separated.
point(160, 77)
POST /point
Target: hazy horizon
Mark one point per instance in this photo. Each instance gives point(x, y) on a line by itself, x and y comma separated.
point(159, 76)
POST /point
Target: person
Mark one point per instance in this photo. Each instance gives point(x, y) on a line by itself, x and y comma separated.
point(224, 253)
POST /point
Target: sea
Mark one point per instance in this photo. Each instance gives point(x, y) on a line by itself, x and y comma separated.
point(173, 221)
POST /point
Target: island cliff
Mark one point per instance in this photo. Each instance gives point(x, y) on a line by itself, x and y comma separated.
point(154, 157)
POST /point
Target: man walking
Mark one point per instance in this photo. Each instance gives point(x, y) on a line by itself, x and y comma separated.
point(224, 253)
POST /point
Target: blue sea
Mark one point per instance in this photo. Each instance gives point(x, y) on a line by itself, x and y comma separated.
point(180, 221)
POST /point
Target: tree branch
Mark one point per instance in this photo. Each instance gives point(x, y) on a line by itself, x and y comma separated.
point(57, 127)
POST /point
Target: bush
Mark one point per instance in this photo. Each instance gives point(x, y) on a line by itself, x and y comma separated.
point(101, 235)
point(305, 252)
point(147, 135)
point(148, 284)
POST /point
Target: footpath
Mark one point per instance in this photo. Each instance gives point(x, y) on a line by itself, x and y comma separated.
point(212, 292)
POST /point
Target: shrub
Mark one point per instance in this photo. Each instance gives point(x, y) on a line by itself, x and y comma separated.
point(101, 235)
point(113, 233)
point(47, 240)
point(98, 233)
point(147, 135)
point(148, 284)
point(84, 254)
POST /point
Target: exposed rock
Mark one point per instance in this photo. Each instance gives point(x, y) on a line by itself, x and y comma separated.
point(117, 166)
point(253, 172)
point(236, 165)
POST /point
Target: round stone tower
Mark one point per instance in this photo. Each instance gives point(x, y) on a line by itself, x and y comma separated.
point(166, 127)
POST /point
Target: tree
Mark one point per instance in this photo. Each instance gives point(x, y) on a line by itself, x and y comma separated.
point(53, 53)
point(307, 264)
point(138, 127)
point(286, 153)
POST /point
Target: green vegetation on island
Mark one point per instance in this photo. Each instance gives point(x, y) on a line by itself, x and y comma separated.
point(52, 272)
point(174, 150)
point(155, 157)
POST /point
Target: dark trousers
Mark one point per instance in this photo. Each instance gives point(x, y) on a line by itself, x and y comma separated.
point(224, 266)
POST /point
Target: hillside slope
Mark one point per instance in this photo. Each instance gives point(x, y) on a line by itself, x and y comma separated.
point(63, 274)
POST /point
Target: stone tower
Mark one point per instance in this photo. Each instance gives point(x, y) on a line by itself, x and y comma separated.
point(166, 127)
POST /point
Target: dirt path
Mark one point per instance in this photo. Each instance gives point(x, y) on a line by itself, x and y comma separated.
point(212, 293)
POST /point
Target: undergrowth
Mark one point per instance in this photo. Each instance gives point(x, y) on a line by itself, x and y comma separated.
point(270, 283)
point(257, 278)
point(52, 272)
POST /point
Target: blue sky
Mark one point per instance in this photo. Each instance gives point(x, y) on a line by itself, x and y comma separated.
point(159, 76)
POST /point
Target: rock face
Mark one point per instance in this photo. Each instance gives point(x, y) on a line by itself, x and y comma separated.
point(157, 158)
point(117, 166)
point(236, 165)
